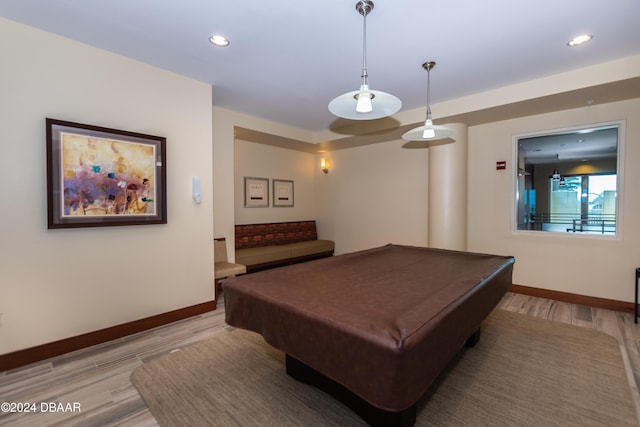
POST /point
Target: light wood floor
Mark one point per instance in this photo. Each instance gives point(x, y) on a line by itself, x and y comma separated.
point(97, 378)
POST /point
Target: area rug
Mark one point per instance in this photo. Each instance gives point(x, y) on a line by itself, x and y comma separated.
point(523, 372)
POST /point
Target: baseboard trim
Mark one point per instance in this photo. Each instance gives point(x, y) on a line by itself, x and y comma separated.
point(45, 351)
point(609, 304)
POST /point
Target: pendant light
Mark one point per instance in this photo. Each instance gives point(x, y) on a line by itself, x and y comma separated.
point(428, 132)
point(364, 104)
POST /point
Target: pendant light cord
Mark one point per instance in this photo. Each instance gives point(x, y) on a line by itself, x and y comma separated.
point(365, 75)
point(428, 94)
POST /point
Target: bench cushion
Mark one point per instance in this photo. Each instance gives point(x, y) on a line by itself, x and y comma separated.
point(262, 255)
point(311, 247)
point(279, 243)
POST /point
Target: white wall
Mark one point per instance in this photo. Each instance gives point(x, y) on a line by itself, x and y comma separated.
point(373, 195)
point(586, 265)
point(56, 284)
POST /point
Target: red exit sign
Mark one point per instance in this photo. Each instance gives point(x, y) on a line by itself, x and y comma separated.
point(501, 165)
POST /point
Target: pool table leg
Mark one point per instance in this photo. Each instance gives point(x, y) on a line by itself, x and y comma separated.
point(372, 415)
point(473, 339)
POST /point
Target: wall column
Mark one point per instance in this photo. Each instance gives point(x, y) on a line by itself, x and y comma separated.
point(447, 221)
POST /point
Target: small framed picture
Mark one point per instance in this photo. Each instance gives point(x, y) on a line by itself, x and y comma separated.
point(282, 193)
point(256, 192)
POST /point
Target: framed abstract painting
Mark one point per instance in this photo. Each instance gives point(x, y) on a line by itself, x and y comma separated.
point(99, 177)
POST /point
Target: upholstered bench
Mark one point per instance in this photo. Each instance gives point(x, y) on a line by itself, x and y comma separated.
point(260, 246)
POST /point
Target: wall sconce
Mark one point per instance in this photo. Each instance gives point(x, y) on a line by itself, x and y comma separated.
point(324, 165)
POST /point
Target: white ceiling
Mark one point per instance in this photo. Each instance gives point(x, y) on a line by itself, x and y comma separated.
point(571, 146)
point(287, 59)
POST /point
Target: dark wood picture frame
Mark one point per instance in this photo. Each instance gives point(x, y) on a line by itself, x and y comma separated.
point(99, 177)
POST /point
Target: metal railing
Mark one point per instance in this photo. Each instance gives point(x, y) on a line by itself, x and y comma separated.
point(594, 223)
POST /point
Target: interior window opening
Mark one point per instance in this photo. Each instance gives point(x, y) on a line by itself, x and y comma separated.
point(567, 182)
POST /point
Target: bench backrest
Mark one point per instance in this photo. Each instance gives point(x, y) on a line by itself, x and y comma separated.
point(274, 233)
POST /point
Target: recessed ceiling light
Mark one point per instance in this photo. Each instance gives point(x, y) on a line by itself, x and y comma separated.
point(578, 40)
point(217, 40)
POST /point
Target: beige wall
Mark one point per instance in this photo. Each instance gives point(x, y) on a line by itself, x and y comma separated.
point(223, 177)
point(377, 194)
point(586, 265)
point(62, 283)
point(56, 284)
point(275, 163)
point(373, 195)
point(264, 161)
